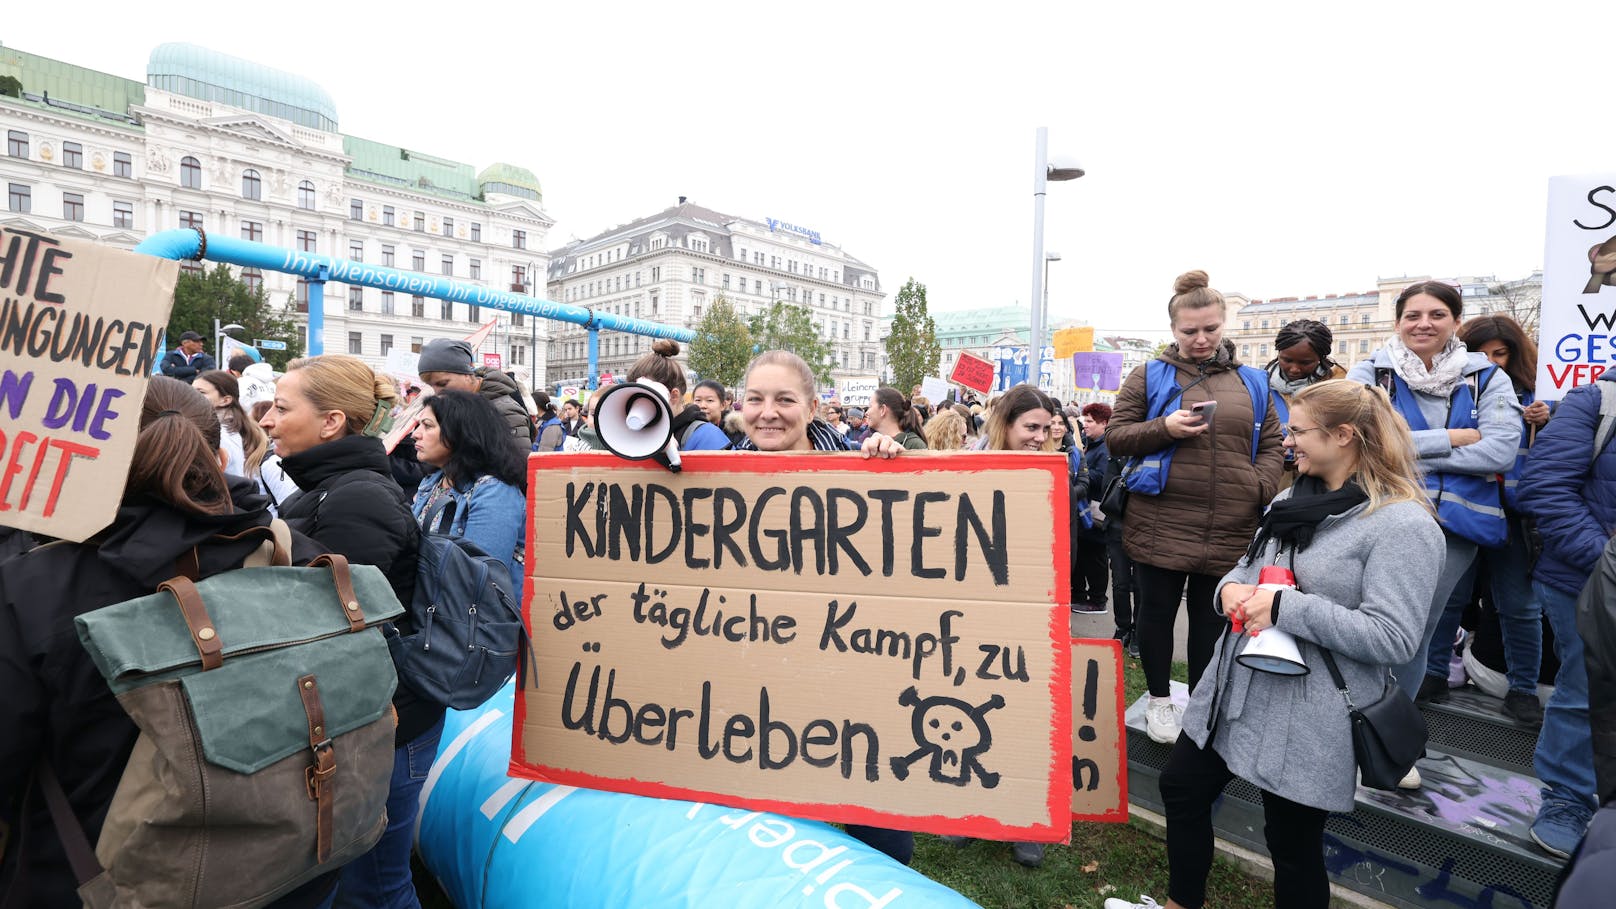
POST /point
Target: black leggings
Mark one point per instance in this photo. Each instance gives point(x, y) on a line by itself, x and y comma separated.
point(1088, 571)
point(1124, 592)
point(1190, 784)
point(1160, 591)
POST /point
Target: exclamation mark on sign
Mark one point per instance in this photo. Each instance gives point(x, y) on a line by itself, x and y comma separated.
point(1087, 733)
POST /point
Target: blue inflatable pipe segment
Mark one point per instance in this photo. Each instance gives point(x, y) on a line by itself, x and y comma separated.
point(499, 843)
point(185, 243)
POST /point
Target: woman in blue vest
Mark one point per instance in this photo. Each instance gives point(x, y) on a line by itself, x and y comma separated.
point(1467, 426)
point(1509, 567)
point(1197, 485)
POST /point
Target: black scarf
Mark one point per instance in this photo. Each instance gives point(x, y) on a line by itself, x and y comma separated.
point(1294, 520)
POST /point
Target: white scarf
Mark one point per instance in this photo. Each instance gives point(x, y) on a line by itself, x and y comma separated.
point(1446, 372)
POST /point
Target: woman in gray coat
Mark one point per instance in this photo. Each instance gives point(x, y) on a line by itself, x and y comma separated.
point(1349, 529)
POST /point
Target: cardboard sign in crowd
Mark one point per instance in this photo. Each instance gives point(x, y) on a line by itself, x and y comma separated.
point(81, 327)
point(878, 642)
point(1577, 336)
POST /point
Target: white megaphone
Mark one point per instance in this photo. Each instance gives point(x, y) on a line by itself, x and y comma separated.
point(634, 420)
point(1272, 650)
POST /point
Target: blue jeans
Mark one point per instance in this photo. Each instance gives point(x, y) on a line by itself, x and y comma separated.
point(1519, 615)
point(381, 878)
point(1457, 558)
point(1565, 752)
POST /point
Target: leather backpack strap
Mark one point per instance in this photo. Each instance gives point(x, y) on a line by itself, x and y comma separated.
point(203, 633)
point(276, 551)
point(342, 579)
point(319, 776)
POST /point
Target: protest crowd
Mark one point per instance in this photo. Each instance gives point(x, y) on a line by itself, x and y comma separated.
point(1434, 524)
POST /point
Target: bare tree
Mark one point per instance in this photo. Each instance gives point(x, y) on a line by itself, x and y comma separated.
point(1521, 300)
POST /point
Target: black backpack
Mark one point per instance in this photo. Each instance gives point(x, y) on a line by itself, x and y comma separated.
point(469, 634)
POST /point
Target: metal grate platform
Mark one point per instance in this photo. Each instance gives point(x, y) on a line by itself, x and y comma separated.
point(1470, 725)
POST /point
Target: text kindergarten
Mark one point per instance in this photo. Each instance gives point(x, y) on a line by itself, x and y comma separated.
point(871, 642)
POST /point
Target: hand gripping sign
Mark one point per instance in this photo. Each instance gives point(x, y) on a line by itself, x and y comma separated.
point(877, 642)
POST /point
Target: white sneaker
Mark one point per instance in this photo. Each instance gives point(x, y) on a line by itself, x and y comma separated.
point(1410, 780)
point(1162, 720)
point(1145, 902)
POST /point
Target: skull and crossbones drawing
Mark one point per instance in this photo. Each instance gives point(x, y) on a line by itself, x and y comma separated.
point(953, 733)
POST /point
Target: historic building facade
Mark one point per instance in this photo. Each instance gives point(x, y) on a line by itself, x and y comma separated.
point(669, 267)
point(243, 150)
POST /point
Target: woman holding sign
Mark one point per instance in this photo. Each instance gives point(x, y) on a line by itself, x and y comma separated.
point(1346, 533)
point(1206, 459)
point(1467, 427)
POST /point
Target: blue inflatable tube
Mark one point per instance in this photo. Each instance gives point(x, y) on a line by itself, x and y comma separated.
point(185, 243)
point(499, 843)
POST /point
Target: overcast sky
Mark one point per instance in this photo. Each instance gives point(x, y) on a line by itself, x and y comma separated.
point(1288, 149)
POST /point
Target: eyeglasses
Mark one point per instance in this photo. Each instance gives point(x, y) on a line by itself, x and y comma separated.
point(1295, 430)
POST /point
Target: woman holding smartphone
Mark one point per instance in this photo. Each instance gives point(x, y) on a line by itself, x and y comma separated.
point(1214, 447)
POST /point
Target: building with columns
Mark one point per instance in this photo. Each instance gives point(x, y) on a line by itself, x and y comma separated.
point(670, 266)
point(244, 150)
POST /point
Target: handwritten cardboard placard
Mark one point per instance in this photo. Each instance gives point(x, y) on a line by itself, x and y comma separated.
point(875, 642)
point(1099, 742)
point(973, 372)
point(1069, 341)
point(1577, 333)
point(856, 392)
point(80, 332)
point(1097, 371)
point(934, 389)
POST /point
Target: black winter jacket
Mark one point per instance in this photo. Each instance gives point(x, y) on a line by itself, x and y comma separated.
point(351, 503)
point(174, 366)
point(1596, 624)
point(56, 704)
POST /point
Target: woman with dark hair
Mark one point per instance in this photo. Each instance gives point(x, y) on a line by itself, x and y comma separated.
point(1466, 425)
point(1509, 567)
point(691, 426)
point(329, 416)
point(1301, 358)
point(476, 491)
point(57, 705)
point(891, 415)
point(1209, 449)
point(242, 438)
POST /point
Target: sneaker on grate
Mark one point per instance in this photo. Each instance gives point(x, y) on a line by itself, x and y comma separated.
point(1411, 780)
point(1559, 826)
point(1162, 720)
point(1523, 708)
point(1145, 902)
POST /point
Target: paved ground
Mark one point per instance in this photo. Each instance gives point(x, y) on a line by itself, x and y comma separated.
point(1103, 626)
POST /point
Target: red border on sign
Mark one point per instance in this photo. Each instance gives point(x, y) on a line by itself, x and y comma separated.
point(1058, 800)
point(1119, 811)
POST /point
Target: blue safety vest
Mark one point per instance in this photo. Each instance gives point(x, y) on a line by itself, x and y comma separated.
point(1514, 475)
point(1147, 475)
point(1467, 505)
point(1282, 411)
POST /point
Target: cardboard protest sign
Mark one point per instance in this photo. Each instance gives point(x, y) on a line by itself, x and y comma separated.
point(856, 392)
point(1099, 738)
point(81, 330)
point(1069, 341)
point(877, 642)
point(1101, 371)
point(934, 389)
point(973, 372)
point(1577, 325)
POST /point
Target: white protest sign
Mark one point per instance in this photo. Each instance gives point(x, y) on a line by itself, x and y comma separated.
point(856, 392)
point(934, 389)
point(1577, 327)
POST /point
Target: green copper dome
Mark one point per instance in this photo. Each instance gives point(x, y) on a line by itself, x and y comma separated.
point(208, 75)
point(510, 180)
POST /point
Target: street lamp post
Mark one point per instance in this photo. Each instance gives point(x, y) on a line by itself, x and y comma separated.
point(219, 332)
point(1036, 357)
point(1043, 172)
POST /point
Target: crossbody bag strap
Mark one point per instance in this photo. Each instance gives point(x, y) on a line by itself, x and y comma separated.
point(80, 855)
point(1335, 676)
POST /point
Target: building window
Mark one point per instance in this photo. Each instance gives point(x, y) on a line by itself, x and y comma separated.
point(252, 230)
point(252, 187)
point(1366, 318)
point(387, 256)
point(446, 309)
point(415, 345)
point(418, 260)
point(123, 165)
point(73, 155)
point(420, 222)
point(305, 240)
point(387, 344)
point(302, 295)
point(190, 173)
point(387, 302)
point(305, 196)
point(473, 313)
point(476, 232)
point(356, 298)
point(656, 273)
point(698, 275)
point(16, 143)
point(387, 216)
point(448, 227)
point(356, 250)
point(519, 239)
point(448, 265)
point(123, 214)
point(516, 320)
point(418, 309)
point(73, 206)
point(476, 269)
point(518, 279)
point(253, 278)
point(356, 212)
point(1265, 327)
point(191, 219)
point(1246, 325)
point(1343, 318)
point(19, 197)
point(356, 343)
